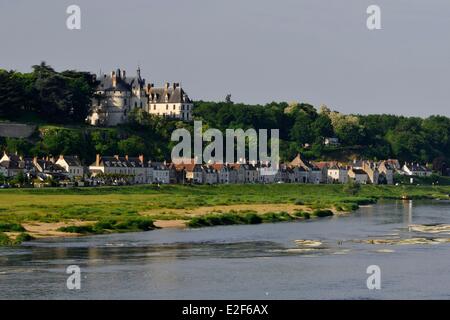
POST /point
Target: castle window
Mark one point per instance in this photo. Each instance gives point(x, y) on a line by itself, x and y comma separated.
point(167, 107)
point(173, 107)
point(154, 107)
point(182, 107)
point(141, 104)
point(135, 104)
point(125, 101)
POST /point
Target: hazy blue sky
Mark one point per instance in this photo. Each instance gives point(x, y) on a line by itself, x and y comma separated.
point(314, 51)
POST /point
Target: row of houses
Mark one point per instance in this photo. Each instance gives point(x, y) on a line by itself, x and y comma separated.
point(137, 170)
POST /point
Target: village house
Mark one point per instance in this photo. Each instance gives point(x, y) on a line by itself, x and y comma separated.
point(266, 174)
point(209, 175)
point(386, 170)
point(250, 173)
point(194, 173)
point(119, 169)
point(72, 166)
point(316, 174)
point(225, 174)
point(12, 164)
point(337, 174)
point(415, 169)
point(358, 175)
point(46, 168)
point(159, 172)
point(371, 169)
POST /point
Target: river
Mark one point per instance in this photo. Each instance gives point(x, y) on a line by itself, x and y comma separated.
point(246, 261)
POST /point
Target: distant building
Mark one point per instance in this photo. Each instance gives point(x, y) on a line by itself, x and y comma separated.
point(120, 169)
point(331, 141)
point(117, 95)
point(337, 174)
point(386, 170)
point(358, 176)
point(315, 173)
point(72, 166)
point(415, 169)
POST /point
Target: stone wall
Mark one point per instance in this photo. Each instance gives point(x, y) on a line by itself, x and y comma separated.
point(16, 130)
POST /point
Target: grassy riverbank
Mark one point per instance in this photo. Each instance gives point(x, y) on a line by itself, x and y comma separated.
point(64, 212)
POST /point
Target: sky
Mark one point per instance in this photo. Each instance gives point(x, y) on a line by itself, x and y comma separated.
point(313, 51)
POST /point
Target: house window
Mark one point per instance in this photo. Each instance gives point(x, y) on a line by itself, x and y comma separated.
point(135, 104)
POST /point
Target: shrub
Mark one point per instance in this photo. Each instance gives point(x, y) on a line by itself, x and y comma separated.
point(302, 214)
point(23, 237)
point(105, 225)
point(11, 227)
point(5, 240)
point(276, 217)
point(77, 229)
point(299, 202)
point(322, 213)
point(352, 187)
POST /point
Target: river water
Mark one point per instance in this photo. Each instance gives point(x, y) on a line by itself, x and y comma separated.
point(244, 262)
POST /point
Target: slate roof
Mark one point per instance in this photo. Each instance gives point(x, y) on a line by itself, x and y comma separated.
point(174, 95)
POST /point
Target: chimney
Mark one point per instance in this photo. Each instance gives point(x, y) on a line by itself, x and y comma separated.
point(116, 157)
point(126, 157)
point(113, 78)
point(97, 159)
point(34, 160)
point(61, 157)
point(167, 85)
point(141, 158)
point(123, 74)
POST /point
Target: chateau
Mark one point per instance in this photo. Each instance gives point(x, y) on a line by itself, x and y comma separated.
point(118, 94)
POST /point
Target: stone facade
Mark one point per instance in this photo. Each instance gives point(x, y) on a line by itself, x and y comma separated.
point(117, 95)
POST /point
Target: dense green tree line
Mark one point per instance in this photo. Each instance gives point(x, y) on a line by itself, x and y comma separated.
point(58, 97)
point(303, 129)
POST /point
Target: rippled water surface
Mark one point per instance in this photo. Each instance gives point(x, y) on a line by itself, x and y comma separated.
point(246, 262)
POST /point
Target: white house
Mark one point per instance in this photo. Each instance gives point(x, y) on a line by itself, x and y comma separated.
point(72, 166)
point(169, 101)
point(337, 174)
point(415, 169)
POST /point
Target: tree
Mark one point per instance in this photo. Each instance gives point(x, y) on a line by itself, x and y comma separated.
point(134, 145)
point(228, 99)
